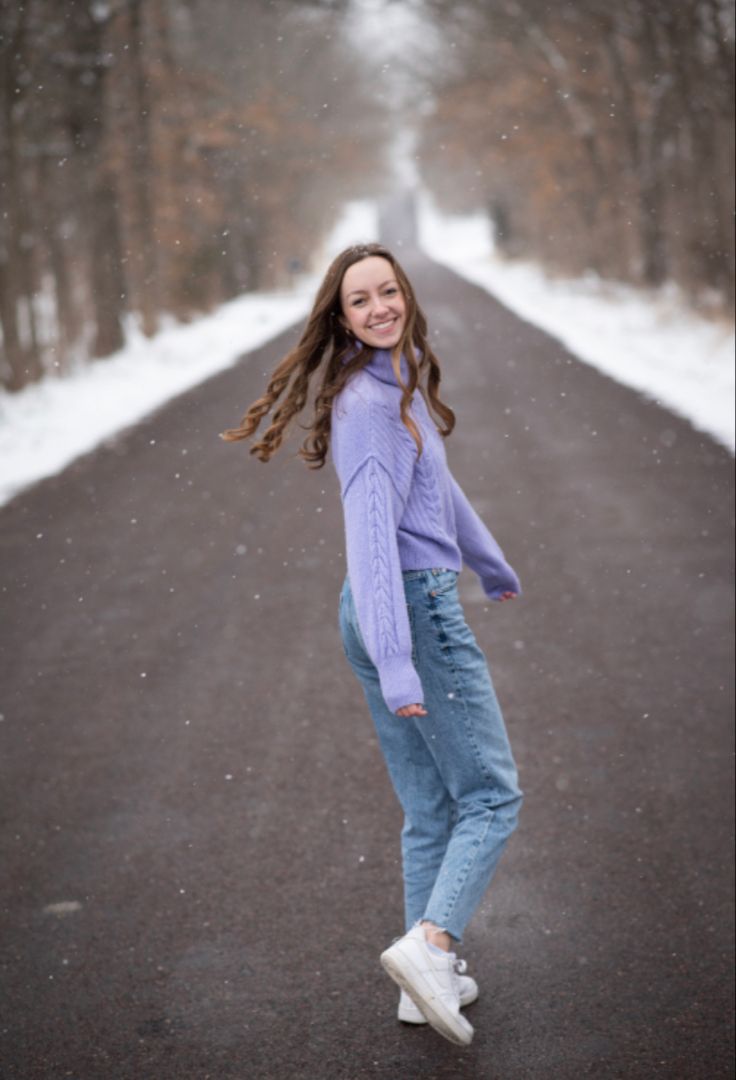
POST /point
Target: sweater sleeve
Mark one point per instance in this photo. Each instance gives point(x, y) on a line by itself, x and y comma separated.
point(374, 467)
point(479, 549)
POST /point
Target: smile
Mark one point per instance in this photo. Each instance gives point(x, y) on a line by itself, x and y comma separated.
point(383, 325)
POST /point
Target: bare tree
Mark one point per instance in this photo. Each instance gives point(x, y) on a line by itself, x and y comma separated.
point(596, 135)
point(162, 157)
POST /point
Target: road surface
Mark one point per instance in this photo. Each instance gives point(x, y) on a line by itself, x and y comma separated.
point(200, 846)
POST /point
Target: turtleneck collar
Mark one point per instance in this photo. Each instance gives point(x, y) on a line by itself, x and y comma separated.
point(380, 365)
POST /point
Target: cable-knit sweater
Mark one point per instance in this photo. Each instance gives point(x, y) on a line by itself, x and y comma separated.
point(401, 512)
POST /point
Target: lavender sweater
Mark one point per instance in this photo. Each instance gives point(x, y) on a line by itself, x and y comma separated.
point(400, 514)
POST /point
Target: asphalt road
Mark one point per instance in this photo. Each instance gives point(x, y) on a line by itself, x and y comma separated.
point(189, 769)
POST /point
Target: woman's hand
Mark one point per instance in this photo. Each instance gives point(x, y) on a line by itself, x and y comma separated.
point(411, 710)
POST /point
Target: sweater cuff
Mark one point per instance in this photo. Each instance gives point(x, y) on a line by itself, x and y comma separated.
point(400, 684)
point(501, 582)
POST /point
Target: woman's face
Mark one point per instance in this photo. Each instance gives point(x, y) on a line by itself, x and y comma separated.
point(373, 305)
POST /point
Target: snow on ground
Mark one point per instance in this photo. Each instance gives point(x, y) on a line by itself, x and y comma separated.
point(48, 424)
point(649, 340)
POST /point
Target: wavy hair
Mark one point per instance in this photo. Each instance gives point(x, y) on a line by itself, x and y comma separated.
point(324, 340)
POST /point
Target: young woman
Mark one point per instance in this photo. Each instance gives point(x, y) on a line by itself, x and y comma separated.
point(408, 529)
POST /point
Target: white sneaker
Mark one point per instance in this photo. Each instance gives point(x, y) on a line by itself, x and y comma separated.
point(431, 981)
point(468, 993)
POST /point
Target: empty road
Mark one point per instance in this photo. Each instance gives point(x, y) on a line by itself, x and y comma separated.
point(200, 846)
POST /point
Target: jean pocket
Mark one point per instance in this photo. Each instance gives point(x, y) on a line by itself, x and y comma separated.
point(444, 583)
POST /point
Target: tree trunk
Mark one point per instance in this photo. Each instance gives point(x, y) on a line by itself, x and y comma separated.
point(109, 291)
point(17, 280)
point(147, 300)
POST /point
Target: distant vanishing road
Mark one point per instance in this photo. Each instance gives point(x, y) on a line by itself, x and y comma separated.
point(200, 846)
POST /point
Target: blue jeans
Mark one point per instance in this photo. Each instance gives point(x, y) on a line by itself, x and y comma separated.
point(452, 770)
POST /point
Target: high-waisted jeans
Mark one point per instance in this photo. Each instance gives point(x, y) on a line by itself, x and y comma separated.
point(452, 770)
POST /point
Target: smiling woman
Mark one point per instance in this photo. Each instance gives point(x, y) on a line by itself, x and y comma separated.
point(408, 529)
point(373, 305)
point(338, 336)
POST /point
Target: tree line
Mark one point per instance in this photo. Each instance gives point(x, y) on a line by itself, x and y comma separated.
point(595, 135)
point(161, 157)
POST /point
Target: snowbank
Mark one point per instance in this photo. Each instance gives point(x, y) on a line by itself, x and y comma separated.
point(47, 425)
point(647, 340)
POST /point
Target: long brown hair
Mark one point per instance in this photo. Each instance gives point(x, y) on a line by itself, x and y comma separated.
point(325, 338)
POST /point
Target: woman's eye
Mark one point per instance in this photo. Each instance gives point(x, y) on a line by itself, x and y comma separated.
point(390, 292)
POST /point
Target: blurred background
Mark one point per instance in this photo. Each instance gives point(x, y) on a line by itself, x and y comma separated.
point(195, 806)
point(159, 157)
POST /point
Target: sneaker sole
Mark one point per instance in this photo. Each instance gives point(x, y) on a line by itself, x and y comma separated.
point(400, 968)
point(421, 1019)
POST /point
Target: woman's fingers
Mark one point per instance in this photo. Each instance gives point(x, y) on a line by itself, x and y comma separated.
point(411, 710)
